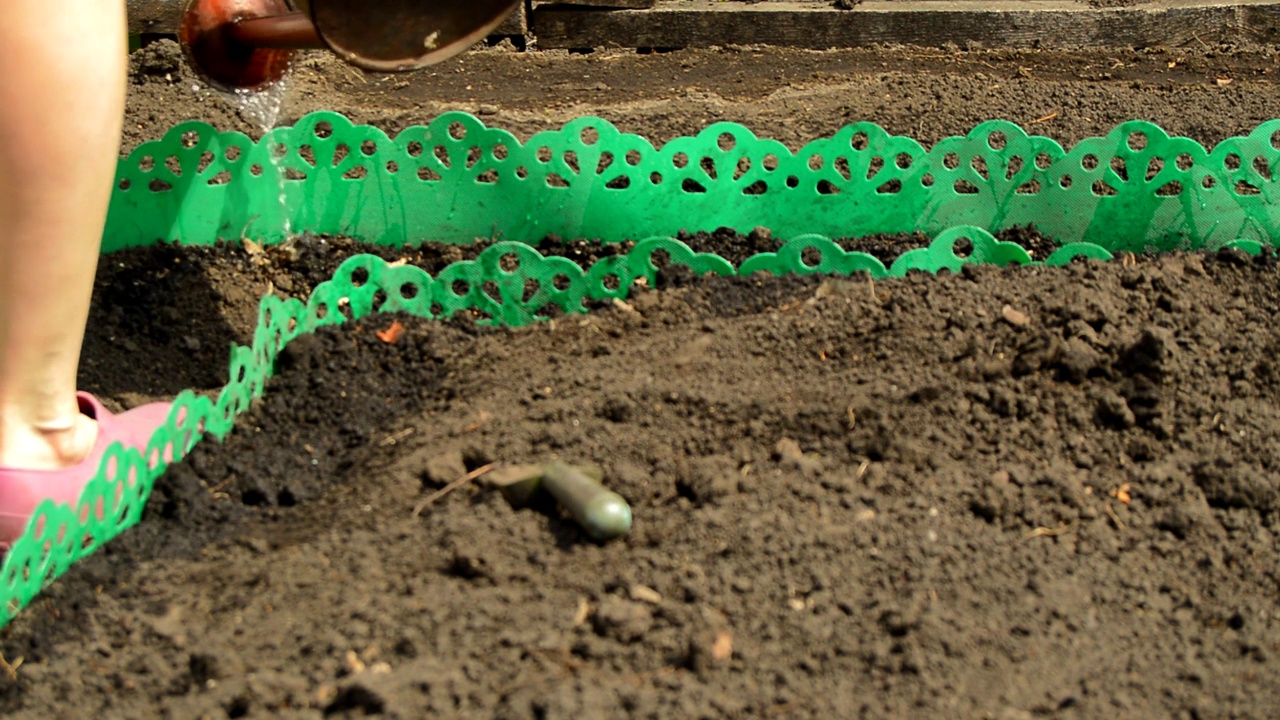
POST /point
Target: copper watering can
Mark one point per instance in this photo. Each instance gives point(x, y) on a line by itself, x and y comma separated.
point(249, 44)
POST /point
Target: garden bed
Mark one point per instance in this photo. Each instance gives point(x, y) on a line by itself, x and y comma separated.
point(1010, 493)
point(1029, 491)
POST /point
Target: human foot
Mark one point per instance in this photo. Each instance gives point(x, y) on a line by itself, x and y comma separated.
point(22, 488)
point(50, 448)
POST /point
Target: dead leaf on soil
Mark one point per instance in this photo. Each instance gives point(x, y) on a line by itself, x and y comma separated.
point(1223, 81)
point(391, 334)
point(325, 693)
point(353, 663)
point(722, 648)
point(10, 669)
point(1122, 493)
point(789, 449)
point(482, 417)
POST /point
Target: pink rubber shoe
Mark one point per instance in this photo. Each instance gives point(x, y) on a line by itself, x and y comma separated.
point(22, 490)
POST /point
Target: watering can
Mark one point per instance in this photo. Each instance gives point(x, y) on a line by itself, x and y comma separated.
point(249, 44)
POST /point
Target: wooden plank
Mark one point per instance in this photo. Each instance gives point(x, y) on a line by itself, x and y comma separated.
point(516, 24)
point(1045, 24)
point(633, 4)
point(162, 17)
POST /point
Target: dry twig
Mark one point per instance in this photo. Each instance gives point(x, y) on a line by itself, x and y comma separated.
point(478, 472)
point(1114, 517)
point(1050, 532)
point(10, 669)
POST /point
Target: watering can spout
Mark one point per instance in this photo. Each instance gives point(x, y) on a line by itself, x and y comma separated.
point(249, 44)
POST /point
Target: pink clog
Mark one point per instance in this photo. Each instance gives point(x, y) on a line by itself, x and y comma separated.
point(22, 490)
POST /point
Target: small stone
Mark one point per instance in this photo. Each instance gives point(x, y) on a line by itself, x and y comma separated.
point(170, 626)
point(1227, 483)
point(645, 594)
point(622, 620)
point(790, 454)
point(709, 479)
point(257, 545)
point(1112, 411)
point(445, 467)
point(722, 648)
point(1150, 354)
point(487, 109)
point(1077, 361)
point(1014, 318)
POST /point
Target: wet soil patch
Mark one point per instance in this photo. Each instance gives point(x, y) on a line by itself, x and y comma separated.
point(1030, 492)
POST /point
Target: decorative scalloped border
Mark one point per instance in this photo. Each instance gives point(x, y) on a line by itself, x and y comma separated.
point(455, 176)
point(454, 180)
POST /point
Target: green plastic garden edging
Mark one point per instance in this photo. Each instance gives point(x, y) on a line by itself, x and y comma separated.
point(455, 180)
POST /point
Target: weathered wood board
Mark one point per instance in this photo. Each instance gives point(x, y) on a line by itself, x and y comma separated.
point(991, 23)
point(611, 3)
point(161, 17)
point(816, 24)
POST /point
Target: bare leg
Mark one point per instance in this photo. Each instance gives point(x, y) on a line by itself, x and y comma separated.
point(62, 76)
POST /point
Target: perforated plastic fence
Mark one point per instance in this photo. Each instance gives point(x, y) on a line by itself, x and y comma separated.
point(1137, 189)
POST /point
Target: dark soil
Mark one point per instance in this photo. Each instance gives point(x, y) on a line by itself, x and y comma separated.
point(852, 499)
point(793, 96)
point(143, 334)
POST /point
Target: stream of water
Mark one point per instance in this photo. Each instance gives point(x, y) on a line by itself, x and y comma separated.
point(262, 108)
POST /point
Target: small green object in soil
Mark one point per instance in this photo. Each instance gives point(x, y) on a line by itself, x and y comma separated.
point(602, 513)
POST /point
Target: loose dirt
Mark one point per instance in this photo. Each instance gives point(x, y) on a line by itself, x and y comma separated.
point(1020, 493)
